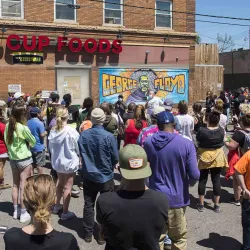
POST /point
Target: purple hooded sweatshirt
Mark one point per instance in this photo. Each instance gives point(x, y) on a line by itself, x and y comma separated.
point(174, 166)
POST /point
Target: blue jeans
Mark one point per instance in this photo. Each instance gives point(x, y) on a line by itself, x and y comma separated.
point(246, 224)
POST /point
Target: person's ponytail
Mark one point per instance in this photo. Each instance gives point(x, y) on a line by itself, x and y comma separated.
point(42, 216)
point(61, 116)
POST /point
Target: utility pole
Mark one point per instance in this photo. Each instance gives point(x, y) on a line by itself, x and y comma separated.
point(249, 38)
point(232, 67)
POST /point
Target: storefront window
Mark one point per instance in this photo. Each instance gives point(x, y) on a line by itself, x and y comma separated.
point(113, 12)
point(163, 14)
point(11, 8)
point(63, 11)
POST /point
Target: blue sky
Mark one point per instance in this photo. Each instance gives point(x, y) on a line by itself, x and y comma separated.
point(208, 31)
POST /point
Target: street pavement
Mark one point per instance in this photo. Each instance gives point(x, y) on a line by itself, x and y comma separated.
point(206, 230)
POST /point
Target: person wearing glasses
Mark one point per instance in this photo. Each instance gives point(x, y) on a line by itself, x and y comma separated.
point(39, 198)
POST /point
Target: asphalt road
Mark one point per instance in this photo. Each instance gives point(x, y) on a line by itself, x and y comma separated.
point(206, 230)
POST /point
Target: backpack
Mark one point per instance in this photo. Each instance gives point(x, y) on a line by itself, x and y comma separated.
point(246, 145)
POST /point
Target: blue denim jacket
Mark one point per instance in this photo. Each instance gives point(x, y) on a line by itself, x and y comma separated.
point(98, 149)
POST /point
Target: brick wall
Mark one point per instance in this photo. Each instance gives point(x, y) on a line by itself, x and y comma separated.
point(34, 77)
point(91, 13)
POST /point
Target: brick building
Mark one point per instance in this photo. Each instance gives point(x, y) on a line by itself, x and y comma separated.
point(157, 42)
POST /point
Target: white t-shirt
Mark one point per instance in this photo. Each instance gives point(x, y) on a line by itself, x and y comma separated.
point(223, 121)
point(154, 102)
point(186, 124)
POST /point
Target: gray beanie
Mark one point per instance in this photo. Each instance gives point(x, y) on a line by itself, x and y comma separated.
point(97, 116)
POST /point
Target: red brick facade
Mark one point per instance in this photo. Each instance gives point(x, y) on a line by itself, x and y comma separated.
point(139, 30)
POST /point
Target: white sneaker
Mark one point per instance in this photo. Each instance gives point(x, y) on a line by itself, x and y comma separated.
point(25, 217)
point(68, 215)
point(57, 208)
point(16, 214)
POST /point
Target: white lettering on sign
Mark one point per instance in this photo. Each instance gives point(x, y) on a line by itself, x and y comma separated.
point(13, 88)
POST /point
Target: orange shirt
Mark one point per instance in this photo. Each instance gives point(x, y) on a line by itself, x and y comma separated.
point(85, 125)
point(243, 167)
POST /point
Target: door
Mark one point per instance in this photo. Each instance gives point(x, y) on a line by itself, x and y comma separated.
point(75, 82)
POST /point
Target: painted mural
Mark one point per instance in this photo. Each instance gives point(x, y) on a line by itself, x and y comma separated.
point(134, 84)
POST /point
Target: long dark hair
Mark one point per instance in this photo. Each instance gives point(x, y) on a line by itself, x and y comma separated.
point(18, 114)
point(139, 116)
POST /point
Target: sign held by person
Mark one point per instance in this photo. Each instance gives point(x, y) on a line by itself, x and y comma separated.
point(13, 88)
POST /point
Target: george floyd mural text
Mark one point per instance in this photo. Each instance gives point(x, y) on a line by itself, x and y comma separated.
point(135, 84)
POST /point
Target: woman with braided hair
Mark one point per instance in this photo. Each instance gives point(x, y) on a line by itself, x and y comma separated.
point(39, 198)
point(133, 127)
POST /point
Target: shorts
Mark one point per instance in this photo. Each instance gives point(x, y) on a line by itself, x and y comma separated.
point(39, 158)
point(21, 164)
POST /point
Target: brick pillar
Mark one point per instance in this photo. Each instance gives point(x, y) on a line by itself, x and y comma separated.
point(191, 75)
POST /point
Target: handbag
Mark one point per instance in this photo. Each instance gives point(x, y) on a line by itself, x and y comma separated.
point(121, 132)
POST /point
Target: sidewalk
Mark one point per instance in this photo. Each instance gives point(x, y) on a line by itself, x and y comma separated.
point(206, 230)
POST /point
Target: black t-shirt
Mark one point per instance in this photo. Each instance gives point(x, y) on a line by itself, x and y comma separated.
point(209, 138)
point(51, 112)
point(128, 115)
point(133, 219)
point(73, 114)
point(239, 137)
point(16, 239)
point(120, 108)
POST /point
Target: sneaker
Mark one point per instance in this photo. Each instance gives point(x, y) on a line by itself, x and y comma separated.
point(75, 193)
point(100, 241)
point(217, 209)
point(25, 217)
point(88, 239)
point(17, 214)
point(68, 215)
point(200, 207)
point(81, 185)
point(57, 209)
point(167, 247)
point(235, 202)
point(4, 186)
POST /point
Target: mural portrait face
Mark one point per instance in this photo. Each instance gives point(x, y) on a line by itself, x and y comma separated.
point(144, 84)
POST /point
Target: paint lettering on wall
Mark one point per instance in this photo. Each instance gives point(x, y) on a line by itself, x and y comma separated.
point(134, 84)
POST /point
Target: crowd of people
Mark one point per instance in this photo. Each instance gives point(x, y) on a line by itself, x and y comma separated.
point(160, 151)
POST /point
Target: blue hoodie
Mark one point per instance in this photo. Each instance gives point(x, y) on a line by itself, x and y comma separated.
point(174, 166)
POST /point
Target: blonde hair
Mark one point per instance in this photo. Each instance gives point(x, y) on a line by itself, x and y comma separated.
point(39, 197)
point(219, 105)
point(61, 116)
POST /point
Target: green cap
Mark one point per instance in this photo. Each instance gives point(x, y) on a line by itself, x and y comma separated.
point(133, 162)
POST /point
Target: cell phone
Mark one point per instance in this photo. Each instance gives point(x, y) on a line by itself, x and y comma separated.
point(3, 229)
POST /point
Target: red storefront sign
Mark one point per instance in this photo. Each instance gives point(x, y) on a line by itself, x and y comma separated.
point(74, 44)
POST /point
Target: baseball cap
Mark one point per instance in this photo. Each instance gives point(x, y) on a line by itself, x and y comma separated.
point(17, 95)
point(35, 110)
point(133, 162)
point(157, 110)
point(165, 117)
point(168, 104)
